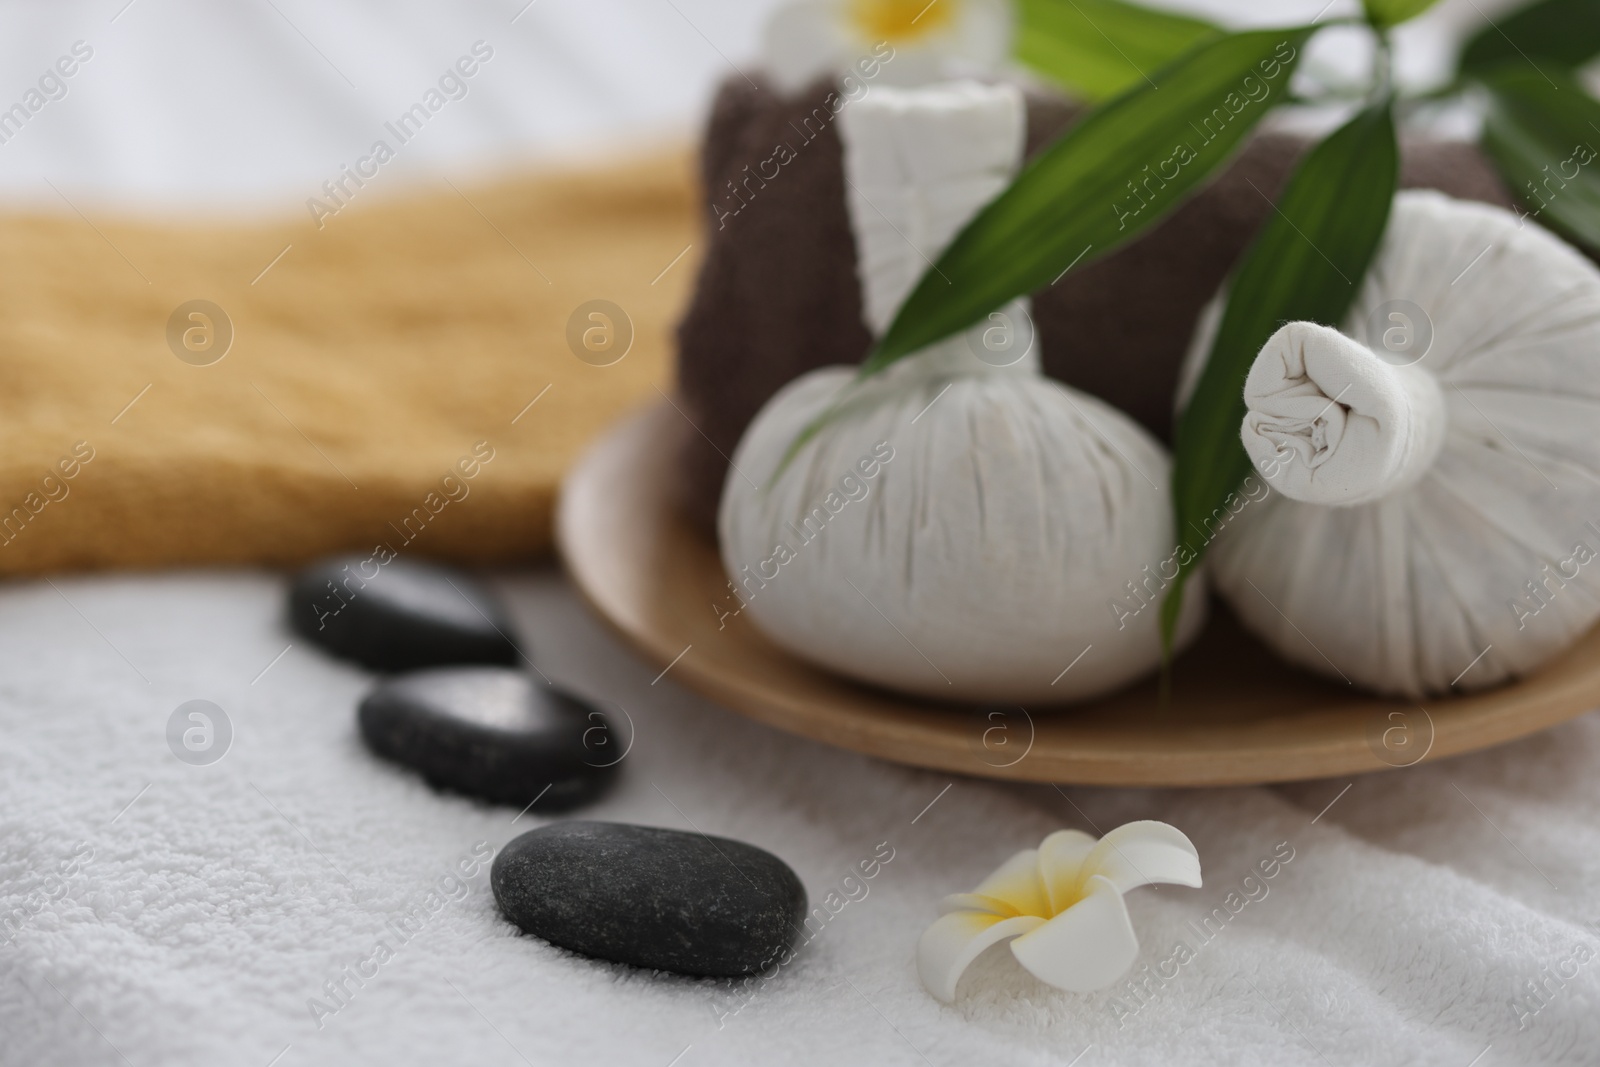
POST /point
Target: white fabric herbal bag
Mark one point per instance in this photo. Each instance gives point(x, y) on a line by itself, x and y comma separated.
point(964, 528)
point(1434, 518)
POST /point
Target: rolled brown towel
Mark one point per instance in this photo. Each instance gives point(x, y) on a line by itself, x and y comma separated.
point(777, 294)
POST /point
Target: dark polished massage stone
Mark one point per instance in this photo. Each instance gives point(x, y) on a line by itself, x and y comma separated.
point(493, 733)
point(654, 898)
point(400, 615)
point(777, 294)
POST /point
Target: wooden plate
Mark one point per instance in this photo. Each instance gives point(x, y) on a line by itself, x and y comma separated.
point(1237, 715)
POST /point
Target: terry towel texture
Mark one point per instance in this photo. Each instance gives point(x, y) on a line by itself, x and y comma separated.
point(1403, 924)
point(366, 362)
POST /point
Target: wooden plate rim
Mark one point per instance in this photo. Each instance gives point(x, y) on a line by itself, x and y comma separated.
point(616, 507)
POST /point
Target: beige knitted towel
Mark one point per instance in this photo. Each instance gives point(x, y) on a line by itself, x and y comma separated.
point(375, 362)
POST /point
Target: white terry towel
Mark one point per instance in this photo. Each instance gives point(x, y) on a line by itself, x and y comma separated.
point(1413, 914)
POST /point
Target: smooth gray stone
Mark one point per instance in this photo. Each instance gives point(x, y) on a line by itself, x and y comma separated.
point(401, 615)
point(653, 898)
point(494, 733)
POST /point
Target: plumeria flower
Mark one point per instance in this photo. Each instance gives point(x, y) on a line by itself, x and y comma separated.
point(928, 40)
point(1062, 902)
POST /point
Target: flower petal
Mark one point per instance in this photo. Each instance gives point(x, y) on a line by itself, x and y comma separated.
point(1143, 853)
point(975, 902)
point(984, 34)
point(955, 940)
point(1016, 882)
point(1087, 947)
point(1061, 857)
point(801, 42)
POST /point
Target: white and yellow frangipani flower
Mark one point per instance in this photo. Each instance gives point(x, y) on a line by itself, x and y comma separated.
point(1062, 902)
point(931, 40)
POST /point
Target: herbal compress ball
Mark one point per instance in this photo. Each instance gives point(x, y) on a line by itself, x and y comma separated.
point(1435, 518)
point(961, 527)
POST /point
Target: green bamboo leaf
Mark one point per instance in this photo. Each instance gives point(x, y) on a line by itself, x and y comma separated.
point(1304, 265)
point(1565, 33)
point(1097, 48)
point(1386, 13)
point(1543, 131)
point(1113, 174)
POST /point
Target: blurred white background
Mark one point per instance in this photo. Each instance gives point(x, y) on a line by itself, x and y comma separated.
point(196, 105)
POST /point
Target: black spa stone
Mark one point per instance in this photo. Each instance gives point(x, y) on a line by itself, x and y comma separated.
point(399, 615)
point(493, 733)
point(653, 898)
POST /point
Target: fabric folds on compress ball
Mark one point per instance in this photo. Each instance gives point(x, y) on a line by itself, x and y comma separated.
point(1435, 514)
point(960, 527)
